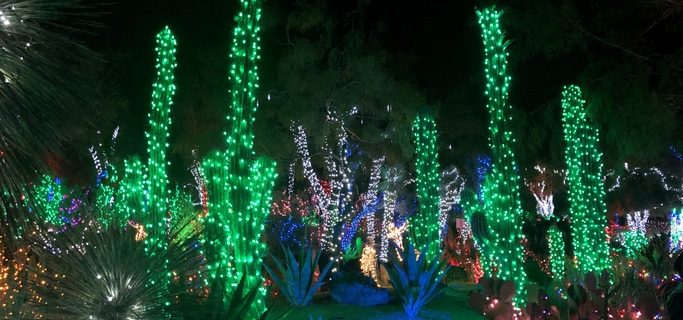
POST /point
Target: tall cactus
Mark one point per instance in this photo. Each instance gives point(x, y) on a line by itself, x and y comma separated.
point(239, 186)
point(425, 229)
point(505, 254)
point(586, 188)
point(556, 248)
point(163, 91)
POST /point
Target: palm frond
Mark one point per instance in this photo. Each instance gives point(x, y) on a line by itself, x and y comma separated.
point(97, 272)
point(42, 81)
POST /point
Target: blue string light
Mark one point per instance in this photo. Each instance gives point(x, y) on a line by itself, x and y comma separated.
point(350, 229)
point(483, 167)
point(675, 153)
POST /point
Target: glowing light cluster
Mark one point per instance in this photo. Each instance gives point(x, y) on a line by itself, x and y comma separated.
point(503, 252)
point(163, 91)
point(49, 198)
point(676, 230)
point(371, 199)
point(542, 191)
point(329, 217)
point(393, 182)
point(452, 185)
point(557, 256)
point(17, 283)
point(339, 204)
point(586, 187)
point(425, 227)
point(635, 237)
point(669, 182)
point(200, 184)
point(239, 188)
point(349, 229)
point(368, 262)
point(395, 235)
point(132, 194)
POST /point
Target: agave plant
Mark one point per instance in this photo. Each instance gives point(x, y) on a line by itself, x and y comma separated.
point(95, 272)
point(296, 277)
point(224, 306)
point(416, 280)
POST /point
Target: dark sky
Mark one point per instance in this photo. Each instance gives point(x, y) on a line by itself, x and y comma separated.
point(435, 45)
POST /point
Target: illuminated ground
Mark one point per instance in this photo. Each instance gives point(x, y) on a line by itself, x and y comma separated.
point(451, 305)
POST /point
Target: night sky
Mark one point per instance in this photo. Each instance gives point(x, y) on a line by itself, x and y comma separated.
point(435, 46)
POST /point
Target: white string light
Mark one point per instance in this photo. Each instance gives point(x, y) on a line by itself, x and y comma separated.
point(676, 230)
point(452, 185)
point(375, 175)
point(391, 177)
point(542, 192)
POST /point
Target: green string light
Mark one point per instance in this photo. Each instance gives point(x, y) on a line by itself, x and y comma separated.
point(503, 252)
point(586, 189)
point(557, 256)
point(48, 199)
point(131, 201)
point(163, 91)
point(239, 188)
point(424, 227)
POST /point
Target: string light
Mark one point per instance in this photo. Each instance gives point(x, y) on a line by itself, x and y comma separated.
point(200, 183)
point(349, 229)
point(635, 237)
point(484, 165)
point(667, 181)
point(676, 230)
point(48, 199)
point(395, 236)
point(503, 208)
point(163, 91)
point(326, 202)
point(368, 262)
point(372, 199)
point(542, 191)
point(557, 256)
point(392, 180)
point(132, 196)
point(426, 229)
point(336, 199)
point(240, 189)
point(452, 185)
point(586, 187)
